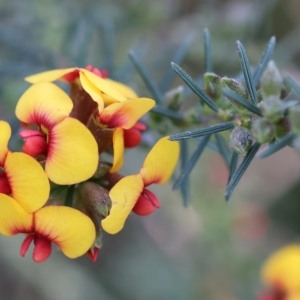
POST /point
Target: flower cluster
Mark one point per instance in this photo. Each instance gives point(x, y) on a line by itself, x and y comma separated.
point(63, 188)
point(281, 274)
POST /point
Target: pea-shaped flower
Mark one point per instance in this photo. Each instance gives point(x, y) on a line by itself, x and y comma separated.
point(158, 167)
point(68, 147)
point(21, 176)
point(72, 231)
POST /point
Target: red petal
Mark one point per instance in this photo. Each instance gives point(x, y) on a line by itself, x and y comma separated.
point(42, 249)
point(132, 137)
point(93, 254)
point(146, 204)
point(26, 243)
point(71, 76)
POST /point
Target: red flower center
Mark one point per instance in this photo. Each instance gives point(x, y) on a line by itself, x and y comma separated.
point(35, 142)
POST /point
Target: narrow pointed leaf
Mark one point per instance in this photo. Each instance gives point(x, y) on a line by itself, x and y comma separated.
point(241, 170)
point(195, 87)
point(247, 73)
point(293, 85)
point(192, 162)
point(264, 60)
point(201, 132)
point(185, 186)
point(223, 149)
point(167, 112)
point(178, 58)
point(242, 101)
point(207, 51)
point(275, 147)
point(290, 103)
point(147, 78)
point(233, 164)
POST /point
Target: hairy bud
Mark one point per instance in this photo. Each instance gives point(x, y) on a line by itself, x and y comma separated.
point(240, 140)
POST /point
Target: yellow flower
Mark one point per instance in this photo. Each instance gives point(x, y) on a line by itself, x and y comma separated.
point(158, 167)
point(21, 176)
point(69, 148)
point(281, 271)
point(72, 231)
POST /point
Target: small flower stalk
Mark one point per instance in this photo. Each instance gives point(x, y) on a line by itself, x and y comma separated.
point(60, 190)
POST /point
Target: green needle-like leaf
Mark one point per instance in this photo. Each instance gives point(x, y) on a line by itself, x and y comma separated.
point(264, 60)
point(201, 132)
point(242, 101)
point(167, 112)
point(241, 170)
point(178, 58)
point(247, 73)
point(147, 78)
point(184, 159)
point(233, 164)
point(194, 87)
point(287, 104)
point(293, 85)
point(223, 149)
point(192, 162)
point(207, 51)
point(275, 147)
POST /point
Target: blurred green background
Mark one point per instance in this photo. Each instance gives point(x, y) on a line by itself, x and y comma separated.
point(210, 250)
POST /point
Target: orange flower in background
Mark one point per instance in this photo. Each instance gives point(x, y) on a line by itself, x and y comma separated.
point(281, 274)
point(72, 231)
point(68, 147)
point(131, 190)
point(20, 175)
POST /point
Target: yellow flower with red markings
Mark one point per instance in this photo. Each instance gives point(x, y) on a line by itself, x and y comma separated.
point(68, 147)
point(123, 116)
point(72, 231)
point(158, 167)
point(20, 175)
point(101, 89)
point(281, 274)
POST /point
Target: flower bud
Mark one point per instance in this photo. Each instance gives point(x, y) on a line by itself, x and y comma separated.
point(235, 85)
point(271, 81)
point(294, 116)
point(263, 131)
point(211, 85)
point(146, 203)
point(272, 109)
point(102, 169)
point(96, 198)
point(240, 140)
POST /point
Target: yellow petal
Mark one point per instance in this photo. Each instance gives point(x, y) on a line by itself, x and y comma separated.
point(71, 230)
point(125, 114)
point(28, 181)
point(161, 161)
point(13, 218)
point(283, 268)
point(43, 103)
point(122, 88)
point(91, 89)
point(118, 144)
point(5, 133)
point(123, 195)
point(72, 153)
point(49, 75)
point(104, 86)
